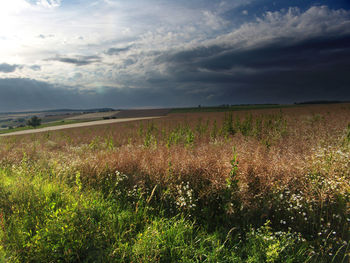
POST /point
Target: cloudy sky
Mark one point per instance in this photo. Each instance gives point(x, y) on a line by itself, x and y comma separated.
point(163, 53)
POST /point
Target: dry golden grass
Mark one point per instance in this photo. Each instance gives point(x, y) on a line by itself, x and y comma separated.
point(283, 163)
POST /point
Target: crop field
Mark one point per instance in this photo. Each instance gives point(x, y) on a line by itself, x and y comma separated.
point(94, 116)
point(264, 185)
point(18, 120)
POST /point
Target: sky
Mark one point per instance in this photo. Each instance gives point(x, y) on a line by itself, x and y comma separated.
point(165, 53)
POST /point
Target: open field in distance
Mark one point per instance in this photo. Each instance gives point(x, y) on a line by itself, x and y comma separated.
point(94, 116)
point(69, 125)
point(19, 119)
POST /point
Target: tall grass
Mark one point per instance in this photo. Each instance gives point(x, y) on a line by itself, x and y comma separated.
point(264, 186)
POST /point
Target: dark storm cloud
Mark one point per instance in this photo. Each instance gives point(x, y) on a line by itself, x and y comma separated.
point(7, 68)
point(268, 87)
point(22, 94)
point(28, 94)
point(286, 87)
point(25, 94)
point(281, 71)
point(280, 55)
point(250, 9)
point(116, 51)
point(78, 61)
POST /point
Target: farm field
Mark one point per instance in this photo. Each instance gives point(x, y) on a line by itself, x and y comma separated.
point(69, 125)
point(224, 108)
point(25, 129)
point(261, 185)
point(17, 120)
point(94, 116)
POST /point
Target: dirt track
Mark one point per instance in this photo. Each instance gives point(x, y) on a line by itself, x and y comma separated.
point(75, 125)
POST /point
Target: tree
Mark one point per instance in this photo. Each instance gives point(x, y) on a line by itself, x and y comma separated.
point(34, 121)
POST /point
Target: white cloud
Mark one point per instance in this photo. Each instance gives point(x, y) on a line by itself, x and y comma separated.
point(150, 30)
point(214, 21)
point(224, 6)
point(291, 25)
point(13, 7)
point(49, 3)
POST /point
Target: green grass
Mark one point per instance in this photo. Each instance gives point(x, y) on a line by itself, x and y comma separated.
point(44, 219)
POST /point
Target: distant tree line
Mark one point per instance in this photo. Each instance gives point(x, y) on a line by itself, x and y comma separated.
point(321, 102)
point(34, 121)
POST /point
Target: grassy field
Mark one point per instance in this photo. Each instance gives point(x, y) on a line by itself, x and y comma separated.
point(93, 116)
point(9, 120)
point(225, 108)
point(267, 185)
point(49, 124)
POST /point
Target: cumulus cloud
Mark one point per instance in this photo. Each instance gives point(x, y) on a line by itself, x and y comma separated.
point(274, 31)
point(7, 68)
point(319, 26)
point(213, 20)
point(286, 26)
point(49, 3)
point(283, 56)
point(195, 54)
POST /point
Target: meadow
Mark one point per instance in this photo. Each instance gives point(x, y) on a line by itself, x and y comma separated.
point(262, 185)
point(17, 121)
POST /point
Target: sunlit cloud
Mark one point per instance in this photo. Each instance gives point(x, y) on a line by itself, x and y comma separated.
point(210, 48)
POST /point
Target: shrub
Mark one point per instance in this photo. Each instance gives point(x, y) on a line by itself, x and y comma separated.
point(34, 122)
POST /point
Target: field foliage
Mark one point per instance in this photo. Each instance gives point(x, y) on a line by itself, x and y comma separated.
point(271, 185)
